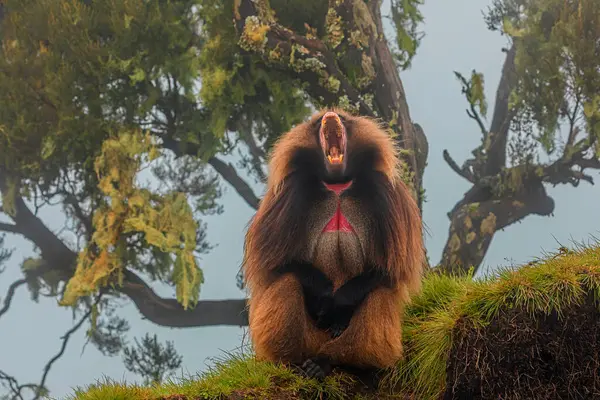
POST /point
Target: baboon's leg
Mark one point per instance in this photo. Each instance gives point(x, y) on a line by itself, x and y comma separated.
point(279, 325)
point(374, 337)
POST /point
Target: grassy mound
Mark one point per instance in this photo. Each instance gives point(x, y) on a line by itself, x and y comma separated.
point(530, 333)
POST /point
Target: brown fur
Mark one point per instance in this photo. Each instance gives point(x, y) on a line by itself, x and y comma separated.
point(279, 325)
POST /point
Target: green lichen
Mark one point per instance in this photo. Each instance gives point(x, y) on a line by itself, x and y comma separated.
point(331, 83)
point(275, 54)
point(393, 123)
point(468, 222)
point(264, 10)
point(511, 180)
point(308, 64)
point(539, 171)
point(454, 243)
point(368, 72)
point(345, 104)
point(254, 36)
point(358, 39)
point(470, 237)
point(363, 18)
point(300, 63)
point(488, 225)
point(335, 32)
point(9, 199)
point(472, 207)
point(368, 99)
point(518, 204)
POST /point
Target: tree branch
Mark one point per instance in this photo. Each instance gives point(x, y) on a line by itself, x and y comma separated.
point(10, 294)
point(168, 312)
point(164, 312)
point(562, 171)
point(390, 94)
point(498, 134)
point(474, 225)
point(467, 90)
point(257, 154)
point(310, 60)
point(12, 384)
point(9, 228)
point(65, 340)
point(464, 172)
point(85, 220)
point(227, 171)
point(30, 226)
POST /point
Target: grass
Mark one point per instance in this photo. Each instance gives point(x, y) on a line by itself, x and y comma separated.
point(235, 374)
point(555, 283)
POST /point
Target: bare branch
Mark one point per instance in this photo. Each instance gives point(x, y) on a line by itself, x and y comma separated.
point(13, 386)
point(563, 171)
point(10, 294)
point(10, 228)
point(573, 132)
point(227, 171)
point(30, 226)
point(169, 312)
point(473, 114)
point(65, 340)
point(464, 172)
point(71, 200)
point(257, 154)
point(500, 126)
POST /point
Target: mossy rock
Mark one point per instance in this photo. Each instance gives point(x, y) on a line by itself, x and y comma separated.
point(529, 333)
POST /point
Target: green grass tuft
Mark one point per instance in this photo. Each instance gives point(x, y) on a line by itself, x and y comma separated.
point(232, 374)
point(551, 284)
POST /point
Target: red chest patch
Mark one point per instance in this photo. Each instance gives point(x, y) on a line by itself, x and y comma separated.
point(338, 223)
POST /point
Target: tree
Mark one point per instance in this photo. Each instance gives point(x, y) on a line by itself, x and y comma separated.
point(151, 360)
point(550, 79)
point(92, 94)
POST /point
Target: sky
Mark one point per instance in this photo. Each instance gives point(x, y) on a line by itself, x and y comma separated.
point(456, 39)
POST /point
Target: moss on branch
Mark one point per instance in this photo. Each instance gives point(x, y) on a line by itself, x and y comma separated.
point(527, 333)
point(305, 58)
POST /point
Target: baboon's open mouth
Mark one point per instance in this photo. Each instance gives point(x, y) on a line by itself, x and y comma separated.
point(333, 137)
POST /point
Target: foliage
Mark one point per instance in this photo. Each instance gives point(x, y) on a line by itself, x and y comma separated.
point(134, 215)
point(75, 78)
point(407, 17)
point(151, 360)
point(473, 90)
point(563, 89)
point(544, 128)
point(242, 93)
point(553, 283)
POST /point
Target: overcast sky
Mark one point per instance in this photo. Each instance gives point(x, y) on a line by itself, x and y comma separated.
point(456, 39)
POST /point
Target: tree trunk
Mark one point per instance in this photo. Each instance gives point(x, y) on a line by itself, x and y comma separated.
point(377, 68)
point(474, 224)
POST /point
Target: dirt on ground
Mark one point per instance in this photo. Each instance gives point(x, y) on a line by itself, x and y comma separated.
point(524, 356)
